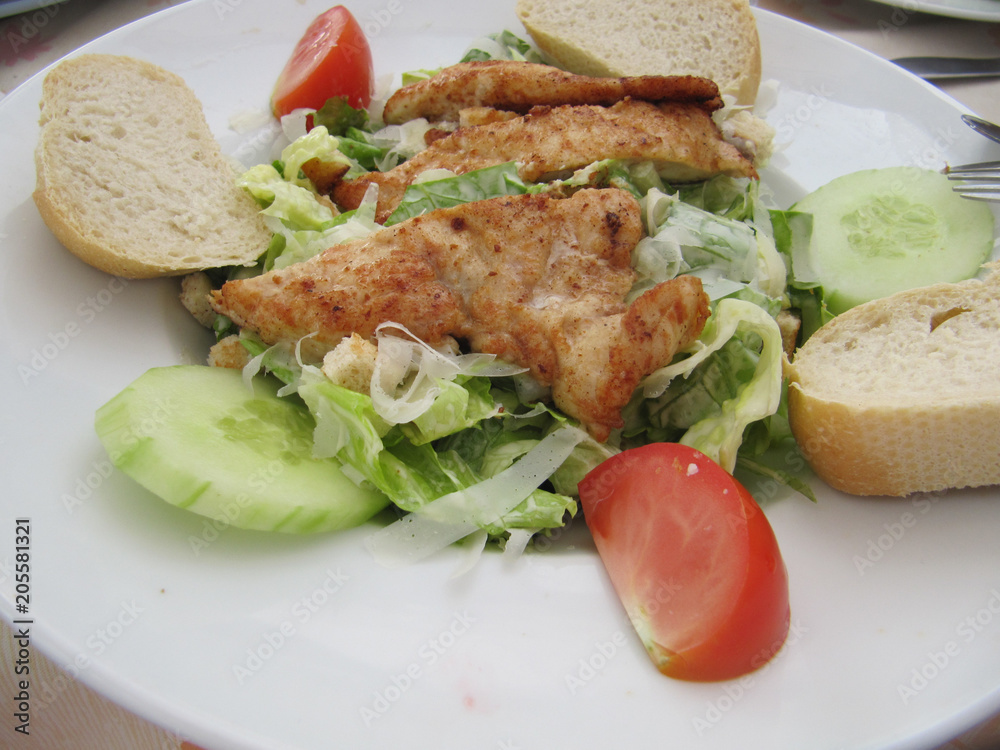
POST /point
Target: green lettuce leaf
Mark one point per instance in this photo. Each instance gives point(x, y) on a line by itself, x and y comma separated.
point(415, 473)
point(727, 250)
point(340, 118)
point(792, 233)
point(741, 384)
point(504, 45)
point(455, 190)
point(293, 210)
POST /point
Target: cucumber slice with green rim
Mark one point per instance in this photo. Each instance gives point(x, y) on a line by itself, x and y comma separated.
point(881, 231)
point(197, 437)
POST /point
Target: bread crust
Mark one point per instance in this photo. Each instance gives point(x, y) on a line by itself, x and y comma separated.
point(643, 37)
point(902, 395)
point(129, 177)
point(897, 450)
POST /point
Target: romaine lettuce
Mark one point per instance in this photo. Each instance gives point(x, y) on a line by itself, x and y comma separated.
point(725, 251)
point(431, 427)
point(504, 45)
point(729, 378)
point(454, 190)
point(292, 209)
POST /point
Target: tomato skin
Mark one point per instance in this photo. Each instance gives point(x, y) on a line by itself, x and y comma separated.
point(693, 559)
point(331, 59)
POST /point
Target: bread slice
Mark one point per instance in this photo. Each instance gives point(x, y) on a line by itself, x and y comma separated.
point(131, 179)
point(902, 394)
point(715, 39)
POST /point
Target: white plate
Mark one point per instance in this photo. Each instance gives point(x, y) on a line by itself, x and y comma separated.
point(975, 10)
point(161, 611)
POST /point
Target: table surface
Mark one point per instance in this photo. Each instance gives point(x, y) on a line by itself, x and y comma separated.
point(82, 720)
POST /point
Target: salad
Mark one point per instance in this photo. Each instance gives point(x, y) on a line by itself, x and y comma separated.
point(439, 422)
point(465, 447)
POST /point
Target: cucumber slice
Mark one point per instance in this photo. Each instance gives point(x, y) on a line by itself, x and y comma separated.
point(881, 231)
point(197, 437)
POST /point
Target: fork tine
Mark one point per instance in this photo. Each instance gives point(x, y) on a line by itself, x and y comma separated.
point(994, 198)
point(980, 181)
point(979, 192)
point(983, 166)
point(975, 176)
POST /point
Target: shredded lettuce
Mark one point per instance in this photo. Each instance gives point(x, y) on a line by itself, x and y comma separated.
point(285, 201)
point(339, 117)
point(303, 223)
point(454, 190)
point(398, 143)
point(725, 252)
point(736, 384)
point(484, 505)
point(504, 45)
point(464, 444)
point(792, 234)
point(636, 178)
point(433, 425)
point(316, 144)
point(412, 378)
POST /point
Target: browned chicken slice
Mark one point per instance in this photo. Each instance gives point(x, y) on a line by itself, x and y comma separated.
point(536, 280)
point(519, 86)
point(681, 139)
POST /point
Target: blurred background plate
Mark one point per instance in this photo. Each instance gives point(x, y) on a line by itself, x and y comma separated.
point(13, 7)
point(975, 10)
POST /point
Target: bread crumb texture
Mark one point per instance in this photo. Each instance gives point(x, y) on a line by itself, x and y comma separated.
point(715, 39)
point(902, 395)
point(130, 177)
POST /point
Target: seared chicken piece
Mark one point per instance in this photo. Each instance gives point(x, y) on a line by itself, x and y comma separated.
point(681, 139)
point(519, 86)
point(536, 280)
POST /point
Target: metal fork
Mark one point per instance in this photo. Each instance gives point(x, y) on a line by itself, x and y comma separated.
point(979, 181)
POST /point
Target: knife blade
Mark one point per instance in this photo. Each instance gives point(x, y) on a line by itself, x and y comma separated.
point(983, 127)
point(950, 67)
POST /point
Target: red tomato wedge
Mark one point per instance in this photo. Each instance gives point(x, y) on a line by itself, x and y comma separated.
point(692, 558)
point(332, 59)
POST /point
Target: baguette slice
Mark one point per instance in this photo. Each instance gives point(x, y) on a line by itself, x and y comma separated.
point(902, 394)
point(715, 39)
point(131, 179)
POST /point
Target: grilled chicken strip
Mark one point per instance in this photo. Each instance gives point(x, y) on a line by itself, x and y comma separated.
point(536, 280)
point(681, 139)
point(519, 86)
